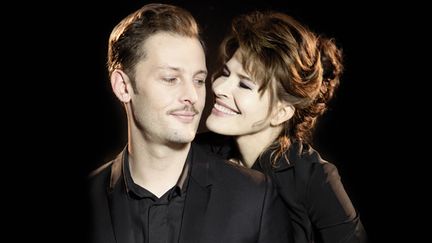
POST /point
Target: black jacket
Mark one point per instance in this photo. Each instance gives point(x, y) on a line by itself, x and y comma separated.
point(311, 188)
point(224, 204)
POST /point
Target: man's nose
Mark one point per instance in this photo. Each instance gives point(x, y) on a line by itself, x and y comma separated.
point(189, 92)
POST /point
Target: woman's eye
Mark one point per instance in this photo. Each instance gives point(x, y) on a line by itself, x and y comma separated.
point(244, 86)
point(225, 72)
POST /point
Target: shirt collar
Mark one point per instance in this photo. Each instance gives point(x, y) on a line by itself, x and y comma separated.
point(134, 189)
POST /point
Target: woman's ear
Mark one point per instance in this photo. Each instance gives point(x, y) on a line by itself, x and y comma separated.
point(119, 85)
point(283, 112)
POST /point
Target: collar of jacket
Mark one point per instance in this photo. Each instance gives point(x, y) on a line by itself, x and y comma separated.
point(199, 165)
point(295, 153)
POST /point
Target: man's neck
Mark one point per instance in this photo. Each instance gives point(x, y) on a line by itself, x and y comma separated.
point(156, 167)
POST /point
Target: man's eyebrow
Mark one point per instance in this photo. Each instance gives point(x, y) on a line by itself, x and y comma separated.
point(170, 68)
point(201, 72)
point(177, 69)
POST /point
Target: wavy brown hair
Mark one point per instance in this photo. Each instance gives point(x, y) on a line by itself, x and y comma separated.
point(295, 64)
point(127, 38)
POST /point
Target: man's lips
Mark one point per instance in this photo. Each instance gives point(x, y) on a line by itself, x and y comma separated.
point(183, 113)
point(186, 116)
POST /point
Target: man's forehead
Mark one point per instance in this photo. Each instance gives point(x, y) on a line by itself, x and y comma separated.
point(161, 41)
point(172, 52)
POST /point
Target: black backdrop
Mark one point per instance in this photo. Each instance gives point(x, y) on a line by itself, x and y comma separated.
point(79, 124)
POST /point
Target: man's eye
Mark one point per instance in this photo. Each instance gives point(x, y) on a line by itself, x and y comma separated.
point(170, 80)
point(200, 81)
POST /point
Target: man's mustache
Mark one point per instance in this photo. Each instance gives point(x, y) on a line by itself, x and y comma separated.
point(186, 108)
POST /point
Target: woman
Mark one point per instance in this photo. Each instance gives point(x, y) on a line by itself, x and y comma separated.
point(277, 79)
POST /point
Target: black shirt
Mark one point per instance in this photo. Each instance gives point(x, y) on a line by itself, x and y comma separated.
point(156, 220)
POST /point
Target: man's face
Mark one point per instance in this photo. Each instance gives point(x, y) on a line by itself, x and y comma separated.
point(171, 91)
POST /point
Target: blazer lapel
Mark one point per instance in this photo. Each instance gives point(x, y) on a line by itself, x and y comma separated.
point(197, 197)
point(117, 199)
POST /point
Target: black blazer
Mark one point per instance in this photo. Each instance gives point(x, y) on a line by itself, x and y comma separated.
point(311, 188)
point(320, 208)
point(225, 203)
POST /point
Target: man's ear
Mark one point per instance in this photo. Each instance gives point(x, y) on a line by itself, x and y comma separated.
point(119, 85)
point(283, 112)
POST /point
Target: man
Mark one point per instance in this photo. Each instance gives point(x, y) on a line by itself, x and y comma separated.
point(163, 188)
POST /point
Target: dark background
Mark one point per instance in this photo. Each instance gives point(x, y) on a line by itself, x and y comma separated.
point(60, 66)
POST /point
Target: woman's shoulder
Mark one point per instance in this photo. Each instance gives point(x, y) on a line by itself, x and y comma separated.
point(304, 156)
point(320, 178)
point(306, 163)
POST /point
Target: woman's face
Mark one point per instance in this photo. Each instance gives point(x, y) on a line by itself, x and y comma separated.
point(239, 108)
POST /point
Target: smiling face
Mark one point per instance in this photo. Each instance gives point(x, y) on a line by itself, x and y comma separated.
point(170, 93)
point(240, 108)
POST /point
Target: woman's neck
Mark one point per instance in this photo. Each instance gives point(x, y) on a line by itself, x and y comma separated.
point(252, 145)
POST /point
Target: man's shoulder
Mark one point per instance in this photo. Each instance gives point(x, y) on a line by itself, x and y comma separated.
point(227, 172)
point(239, 173)
point(105, 170)
point(101, 170)
point(100, 177)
